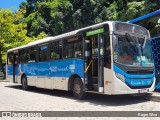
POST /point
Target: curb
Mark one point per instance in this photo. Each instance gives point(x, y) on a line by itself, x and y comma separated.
point(4, 80)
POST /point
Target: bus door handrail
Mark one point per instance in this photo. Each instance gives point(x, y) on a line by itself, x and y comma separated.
point(88, 66)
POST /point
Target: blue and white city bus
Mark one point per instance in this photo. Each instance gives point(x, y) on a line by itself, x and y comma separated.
point(109, 58)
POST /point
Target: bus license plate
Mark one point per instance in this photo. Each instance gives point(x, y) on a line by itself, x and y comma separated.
point(143, 91)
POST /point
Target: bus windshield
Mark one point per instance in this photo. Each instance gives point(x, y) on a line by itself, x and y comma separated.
point(132, 51)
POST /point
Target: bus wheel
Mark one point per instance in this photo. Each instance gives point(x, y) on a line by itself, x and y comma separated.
point(78, 89)
point(24, 83)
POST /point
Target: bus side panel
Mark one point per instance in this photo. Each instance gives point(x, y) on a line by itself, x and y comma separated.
point(30, 70)
point(63, 69)
point(52, 75)
point(108, 81)
point(10, 73)
point(42, 74)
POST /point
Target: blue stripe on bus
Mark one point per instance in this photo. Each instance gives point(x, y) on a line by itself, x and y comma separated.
point(58, 68)
point(139, 82)
point(135, 80)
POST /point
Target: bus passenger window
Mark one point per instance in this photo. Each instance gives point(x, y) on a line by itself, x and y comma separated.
point(23, 57)
point(43, 53)
point(56, 50)
point(32, 54)
point(73, 48)
point(68, 49)
point(78, 50)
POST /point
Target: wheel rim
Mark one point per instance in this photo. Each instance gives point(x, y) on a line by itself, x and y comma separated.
point(24, 83)
point(77, 88)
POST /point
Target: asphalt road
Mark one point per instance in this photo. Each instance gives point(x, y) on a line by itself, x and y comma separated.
point(13, 98)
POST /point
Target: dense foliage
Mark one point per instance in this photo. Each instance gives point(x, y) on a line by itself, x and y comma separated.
point(36, 19)
point(59, 16)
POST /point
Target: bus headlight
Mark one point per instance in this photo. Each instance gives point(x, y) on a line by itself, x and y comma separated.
point(121, 77)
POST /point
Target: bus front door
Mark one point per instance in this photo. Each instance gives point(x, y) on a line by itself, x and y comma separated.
point(94, 48)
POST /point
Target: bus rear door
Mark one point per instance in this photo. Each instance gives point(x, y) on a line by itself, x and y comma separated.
point(15, 66)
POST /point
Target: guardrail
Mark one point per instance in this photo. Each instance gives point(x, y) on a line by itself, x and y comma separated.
point(156, 56)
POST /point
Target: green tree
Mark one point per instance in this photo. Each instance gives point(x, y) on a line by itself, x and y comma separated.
point(12, 31)
point(36, 19)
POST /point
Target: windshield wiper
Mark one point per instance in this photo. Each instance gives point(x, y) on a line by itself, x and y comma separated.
point(129, 38)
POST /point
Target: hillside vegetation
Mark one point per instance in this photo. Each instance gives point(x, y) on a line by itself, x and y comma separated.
point(36, 19)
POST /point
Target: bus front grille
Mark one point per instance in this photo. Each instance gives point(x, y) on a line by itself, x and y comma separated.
point(140, 72)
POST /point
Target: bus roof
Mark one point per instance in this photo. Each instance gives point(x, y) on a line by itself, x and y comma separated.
point(63, 35)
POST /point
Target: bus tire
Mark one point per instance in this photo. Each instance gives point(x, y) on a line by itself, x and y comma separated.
point(24, 83)
point(78, 89)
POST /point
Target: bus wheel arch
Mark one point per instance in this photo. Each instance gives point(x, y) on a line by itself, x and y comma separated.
point(24, 82)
